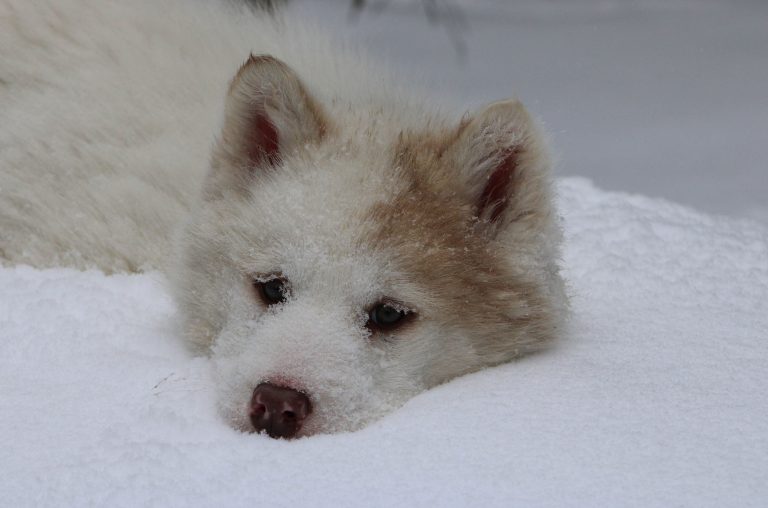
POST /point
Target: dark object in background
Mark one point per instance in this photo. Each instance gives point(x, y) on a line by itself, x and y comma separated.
point(437, 12)
point(266, 4)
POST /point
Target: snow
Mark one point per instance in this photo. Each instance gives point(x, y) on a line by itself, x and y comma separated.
point(657, 394)
point(655, 397)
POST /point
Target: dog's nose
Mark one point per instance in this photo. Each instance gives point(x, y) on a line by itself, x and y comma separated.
point(279, 411)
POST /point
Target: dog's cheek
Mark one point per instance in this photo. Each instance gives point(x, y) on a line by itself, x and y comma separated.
point(432, 354)
point(201, 282)
point(233, 389)
point(236, 370)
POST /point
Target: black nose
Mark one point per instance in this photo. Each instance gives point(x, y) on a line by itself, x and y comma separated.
point(278, 411)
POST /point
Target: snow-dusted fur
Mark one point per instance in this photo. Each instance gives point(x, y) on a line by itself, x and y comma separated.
point(126, 124)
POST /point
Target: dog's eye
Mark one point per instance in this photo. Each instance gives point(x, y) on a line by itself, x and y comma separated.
point(385, 316)
point(272, 291)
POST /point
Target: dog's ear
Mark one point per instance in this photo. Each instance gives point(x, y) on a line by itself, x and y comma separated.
point(268, 113)
point(502, 161)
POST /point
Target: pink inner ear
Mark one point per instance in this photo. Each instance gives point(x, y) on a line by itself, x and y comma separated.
point(495, 195)
point(263, 141)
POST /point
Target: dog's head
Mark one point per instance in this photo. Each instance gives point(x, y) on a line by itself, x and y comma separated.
point(335, 268)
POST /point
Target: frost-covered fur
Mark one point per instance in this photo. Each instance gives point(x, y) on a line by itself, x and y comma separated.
point(124, 124)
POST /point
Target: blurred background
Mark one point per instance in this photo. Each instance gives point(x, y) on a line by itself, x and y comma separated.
point(667, 98)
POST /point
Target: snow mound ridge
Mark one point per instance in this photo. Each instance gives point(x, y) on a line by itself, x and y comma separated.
point(656, 397)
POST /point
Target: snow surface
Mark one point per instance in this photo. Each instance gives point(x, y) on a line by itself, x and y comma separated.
point(656, 397)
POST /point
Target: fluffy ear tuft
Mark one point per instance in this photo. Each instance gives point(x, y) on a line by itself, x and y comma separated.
point(502, 161)
point(268, 113)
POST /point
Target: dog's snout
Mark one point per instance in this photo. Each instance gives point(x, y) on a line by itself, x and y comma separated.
point(279, 411)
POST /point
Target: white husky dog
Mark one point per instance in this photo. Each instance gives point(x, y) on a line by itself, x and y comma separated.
point(334, 243)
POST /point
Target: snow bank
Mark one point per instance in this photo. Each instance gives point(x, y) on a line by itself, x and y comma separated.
point(656, 397)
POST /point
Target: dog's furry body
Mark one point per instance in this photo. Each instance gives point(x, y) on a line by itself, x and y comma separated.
point(323, 173)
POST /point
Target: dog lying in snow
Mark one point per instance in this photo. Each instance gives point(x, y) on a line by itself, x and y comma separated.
point(333, 242)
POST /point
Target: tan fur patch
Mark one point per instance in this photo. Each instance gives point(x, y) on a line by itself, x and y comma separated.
point(430, 231)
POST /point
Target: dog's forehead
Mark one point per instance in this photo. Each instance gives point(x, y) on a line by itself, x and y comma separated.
point(325, 198)
point(313, 215)
point(362, 218)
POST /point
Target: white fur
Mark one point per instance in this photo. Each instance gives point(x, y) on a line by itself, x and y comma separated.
point(110, 110)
